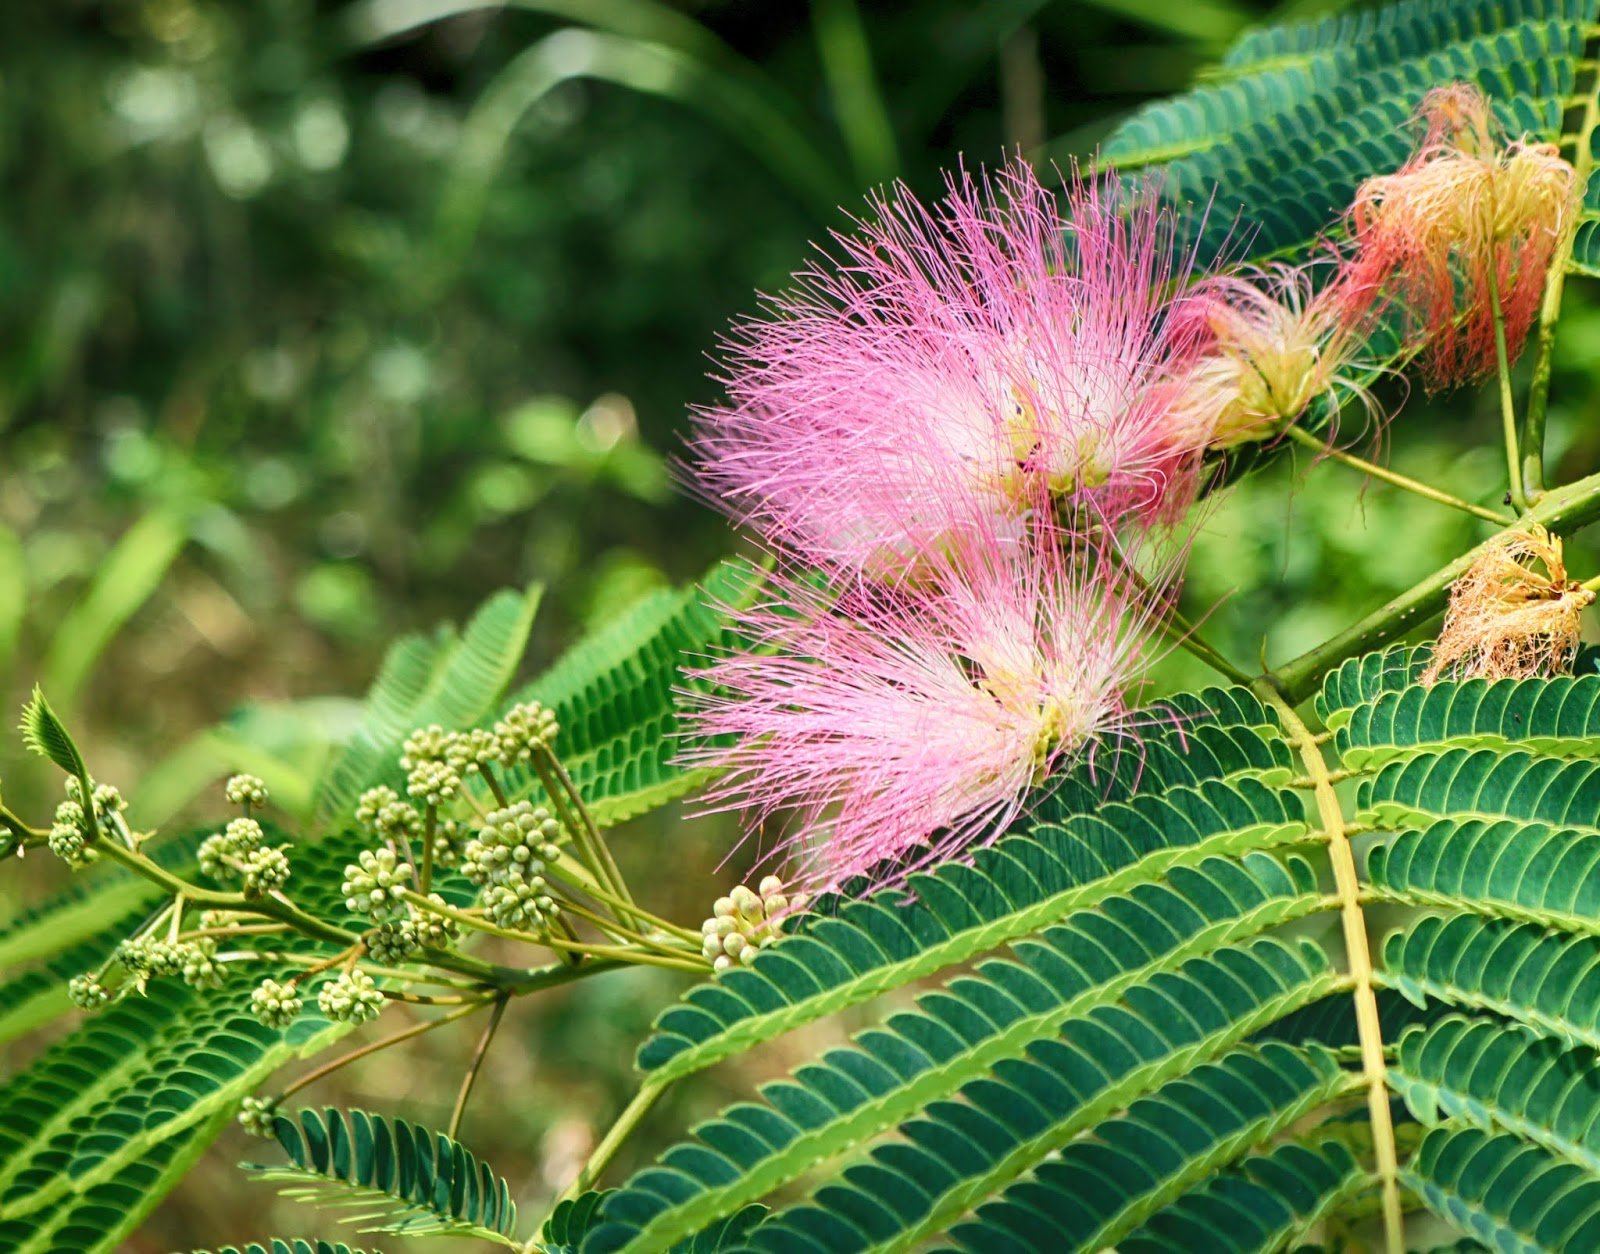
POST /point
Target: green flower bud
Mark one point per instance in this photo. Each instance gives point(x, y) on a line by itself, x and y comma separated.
point(392, 943)
point(200, 967)
point(375, 885)
point(525, 729)
point(432, 783)
point(426, 744)
point(371, 803)
point(145, 957)
point(258, 1116)
point(434, 931)
point(275, 1005)
point(108, 800)
point(351, 997)
point(86, 992)
point(67, 842)
point(263, 871)
point(245, 790)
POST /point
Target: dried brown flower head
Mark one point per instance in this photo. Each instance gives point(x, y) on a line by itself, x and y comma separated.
point(1513, 615)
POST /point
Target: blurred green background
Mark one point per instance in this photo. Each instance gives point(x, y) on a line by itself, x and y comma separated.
point(320, 321)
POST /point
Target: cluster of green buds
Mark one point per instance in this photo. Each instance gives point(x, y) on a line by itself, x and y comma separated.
point(745, 922)
point(245, 791)
point(258, 1115)
point(276, 1005)
point(194, 961)
point(69, 833)
point(240, 853)
point(350, 997)
point(525, 730)
point(375, 884)
point(69, 836)
point(87, 992)
point(508, 858)
point(392, 943)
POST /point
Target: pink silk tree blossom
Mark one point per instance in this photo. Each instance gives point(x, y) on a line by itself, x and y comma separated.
point(961, 353)
point(909, 724)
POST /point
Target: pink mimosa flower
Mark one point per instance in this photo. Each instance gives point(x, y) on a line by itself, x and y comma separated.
point(1468, 220)
point(960, 352)
point(910, 725)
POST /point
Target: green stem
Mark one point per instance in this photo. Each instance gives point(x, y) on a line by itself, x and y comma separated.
point(575, 816)
point(1562, 510)
point(1508, 408)
point(373, 1047)
point(281, 908)
point(1533, 417)
point(622, 953)
point(478, 1055)
point(619, 1131)
point(430, 827)
point(587, 886)
point(1394, 477)
point(9, 818)
point(1181, 632)
point(500, 798)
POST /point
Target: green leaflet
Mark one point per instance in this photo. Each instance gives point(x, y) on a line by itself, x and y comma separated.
point(455, 682)
point(45, 734)
point(570, 1222)
point(97, 1220)
point(1165, 1144)
point(615, 694)
point(1483, 782)
point(1511, 1195)
point(1522, 972)
point(1557, 716)
point(1092, 850)
point(1096, 1058)
point(1266, 1202)
point(74, 915)
point(146, 1069)
point(295, 1246)
point(1528, 871)
point(140, 1073)
point(407, 1179)
point(1478, 1071)
point(1279, 138)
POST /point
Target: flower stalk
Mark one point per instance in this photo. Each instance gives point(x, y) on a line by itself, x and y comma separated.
point(1396, 479)
point(1508, 406)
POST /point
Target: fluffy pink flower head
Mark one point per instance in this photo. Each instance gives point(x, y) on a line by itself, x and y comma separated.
point(1273, 344)
point(908, 727)
point(1469, 218)
point(960, 352)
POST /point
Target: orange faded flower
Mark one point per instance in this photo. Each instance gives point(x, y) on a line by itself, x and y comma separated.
point(1470, 219)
